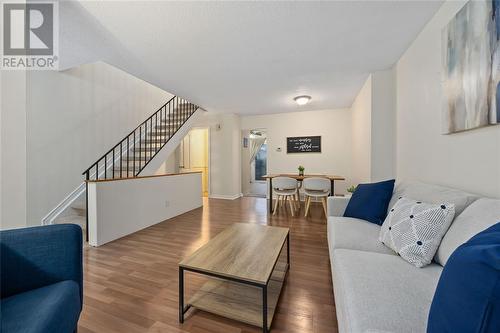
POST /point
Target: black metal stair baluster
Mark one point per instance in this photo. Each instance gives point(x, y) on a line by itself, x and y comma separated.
point(177, 114)
point(134, 155)
point(121, 158)
point(128, 159)
point(169, 119)
point(164, 121)
point(182, 111)
point(156, 132)
point(174, 116)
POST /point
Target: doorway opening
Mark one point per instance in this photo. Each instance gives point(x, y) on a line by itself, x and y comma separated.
point(194, 155)
point(254, 162)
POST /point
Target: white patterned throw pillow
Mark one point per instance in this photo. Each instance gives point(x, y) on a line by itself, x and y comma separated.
point(414, 229)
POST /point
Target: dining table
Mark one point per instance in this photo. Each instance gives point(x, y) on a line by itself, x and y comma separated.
point(299, 178)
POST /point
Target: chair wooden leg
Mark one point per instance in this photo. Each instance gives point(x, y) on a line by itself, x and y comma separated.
point(292, 208)
point(276, 204)
point(308, 204)
point(293, 198)
point(323, 201)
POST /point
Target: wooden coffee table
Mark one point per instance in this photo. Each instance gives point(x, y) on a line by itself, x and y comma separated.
point(245, 260)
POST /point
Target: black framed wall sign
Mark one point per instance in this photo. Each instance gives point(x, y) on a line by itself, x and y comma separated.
point(303, 144)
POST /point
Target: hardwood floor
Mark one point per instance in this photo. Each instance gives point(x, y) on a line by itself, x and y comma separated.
point(130, 285)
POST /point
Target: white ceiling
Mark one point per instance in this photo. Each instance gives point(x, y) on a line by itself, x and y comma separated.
point(254, 57)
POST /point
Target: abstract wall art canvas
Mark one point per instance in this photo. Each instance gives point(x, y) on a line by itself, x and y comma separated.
point(471, 67)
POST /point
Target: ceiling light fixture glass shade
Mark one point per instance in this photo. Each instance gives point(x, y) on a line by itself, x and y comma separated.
point(302, 100)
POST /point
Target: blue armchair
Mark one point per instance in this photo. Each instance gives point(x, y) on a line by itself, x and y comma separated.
point(41, 279)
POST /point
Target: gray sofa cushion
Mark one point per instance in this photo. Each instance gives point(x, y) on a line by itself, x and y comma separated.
point(354, 234)
point(480, 215)
point(377, 292)
point(433, 194)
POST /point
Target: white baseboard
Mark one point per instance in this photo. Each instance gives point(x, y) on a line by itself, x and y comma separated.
point(225, 197)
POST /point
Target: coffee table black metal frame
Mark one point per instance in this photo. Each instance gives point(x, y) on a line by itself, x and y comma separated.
point(185, 308)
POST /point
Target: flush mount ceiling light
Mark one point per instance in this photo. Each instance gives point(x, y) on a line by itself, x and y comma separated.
point(302, 100)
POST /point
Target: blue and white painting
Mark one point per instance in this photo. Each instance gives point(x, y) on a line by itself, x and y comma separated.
point(471, 67)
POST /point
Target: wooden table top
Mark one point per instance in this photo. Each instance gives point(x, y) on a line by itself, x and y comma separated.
point(296, 176)
point(244, 251)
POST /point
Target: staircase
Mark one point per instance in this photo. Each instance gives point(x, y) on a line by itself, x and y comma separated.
point(129, 157)
point(132, 154)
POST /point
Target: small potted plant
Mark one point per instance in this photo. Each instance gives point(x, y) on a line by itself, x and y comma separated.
point(301, 170)
point(351, 189)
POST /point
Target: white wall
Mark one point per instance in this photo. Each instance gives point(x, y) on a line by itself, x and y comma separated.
point(361, 111)
point(383, 119)
point(334, 127)
point(13, 149)
point(468, 160)
point(73, 118)
point(170, 165)
point(373, 129)
point(119, 208)
point(225, 160)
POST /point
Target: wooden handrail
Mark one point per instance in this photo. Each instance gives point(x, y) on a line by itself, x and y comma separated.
point(141, 177)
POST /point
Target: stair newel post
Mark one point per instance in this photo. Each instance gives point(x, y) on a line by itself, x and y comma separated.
point(105, 166)
point(128, 159)
point(113, 164)
point(87, 178)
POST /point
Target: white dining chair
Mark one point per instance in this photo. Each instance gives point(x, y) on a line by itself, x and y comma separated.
point(316, 187)
point(285, 189)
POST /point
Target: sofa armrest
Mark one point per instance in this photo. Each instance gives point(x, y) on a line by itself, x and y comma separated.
point(337, 205)
point(34, 257)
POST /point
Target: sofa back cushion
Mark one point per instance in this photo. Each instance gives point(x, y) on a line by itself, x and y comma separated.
point(433, 194)
point(480, 215)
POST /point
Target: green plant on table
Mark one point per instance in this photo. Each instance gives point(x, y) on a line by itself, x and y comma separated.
point(351, 189)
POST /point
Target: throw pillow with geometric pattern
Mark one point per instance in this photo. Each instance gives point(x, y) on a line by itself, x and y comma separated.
point(414, 229)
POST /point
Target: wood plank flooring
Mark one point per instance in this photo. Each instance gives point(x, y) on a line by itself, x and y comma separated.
point(131, 284)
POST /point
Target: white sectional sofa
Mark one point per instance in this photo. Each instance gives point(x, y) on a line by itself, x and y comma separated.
point(376, 290)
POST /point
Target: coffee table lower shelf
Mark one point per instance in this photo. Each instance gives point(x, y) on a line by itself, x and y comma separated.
point(239, 301)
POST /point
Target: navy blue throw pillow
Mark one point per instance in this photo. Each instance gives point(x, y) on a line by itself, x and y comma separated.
point(369, 202)
point(467, 298)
